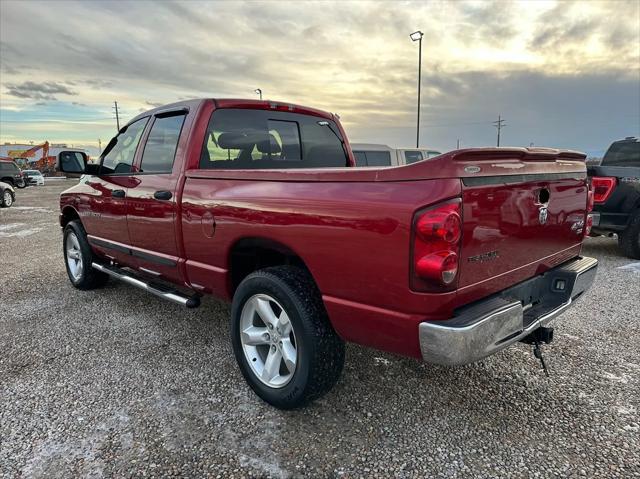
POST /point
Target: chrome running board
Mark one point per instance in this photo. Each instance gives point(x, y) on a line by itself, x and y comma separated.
point(156, 289)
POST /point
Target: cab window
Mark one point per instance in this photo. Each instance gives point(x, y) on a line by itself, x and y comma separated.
point(119, 153)
point(372, 158)
point(623, 153)
point(264, 139)
point(413, 156)
point(160, 148)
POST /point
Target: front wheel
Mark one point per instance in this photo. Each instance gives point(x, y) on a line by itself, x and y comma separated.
point(283, 341)
point(78, 258)
point(21, 184)
point(629, 239)
point(7, 199)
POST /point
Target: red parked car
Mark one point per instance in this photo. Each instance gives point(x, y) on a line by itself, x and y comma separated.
point(259, 203)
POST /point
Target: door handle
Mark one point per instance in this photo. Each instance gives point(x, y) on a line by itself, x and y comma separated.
point(162, 195)
point(117, 193)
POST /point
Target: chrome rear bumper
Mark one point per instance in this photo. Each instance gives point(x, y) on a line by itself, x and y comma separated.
point(492, 324)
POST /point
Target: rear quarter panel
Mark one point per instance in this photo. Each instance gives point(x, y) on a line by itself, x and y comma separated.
point(353, 236)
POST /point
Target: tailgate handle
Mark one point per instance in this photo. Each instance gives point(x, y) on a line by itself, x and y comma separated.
point(162, 195)
point(117, 193)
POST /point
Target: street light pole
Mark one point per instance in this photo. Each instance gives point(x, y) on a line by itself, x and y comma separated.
point(259, 92)
point(417, 37)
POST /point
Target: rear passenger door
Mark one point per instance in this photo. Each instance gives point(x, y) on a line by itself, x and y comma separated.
point(151, 203)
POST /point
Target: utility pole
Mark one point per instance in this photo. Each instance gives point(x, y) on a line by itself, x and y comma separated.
point(417, 37)
point(458, 144)
point(117, 115)
point(499, 125)
point(99, 146)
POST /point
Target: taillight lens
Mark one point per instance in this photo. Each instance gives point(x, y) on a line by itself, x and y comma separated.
point(437, 233)
point(602, 187)
point(590, 201)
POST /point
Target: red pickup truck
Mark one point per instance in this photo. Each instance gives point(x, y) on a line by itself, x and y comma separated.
point(449, 260)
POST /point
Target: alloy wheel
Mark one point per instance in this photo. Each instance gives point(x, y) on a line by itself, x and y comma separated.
point(74, 256)
point(268, 340)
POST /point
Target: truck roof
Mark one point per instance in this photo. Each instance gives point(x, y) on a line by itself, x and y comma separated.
point(238, 103)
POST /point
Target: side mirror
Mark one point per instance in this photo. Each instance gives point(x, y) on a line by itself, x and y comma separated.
point(73, 163)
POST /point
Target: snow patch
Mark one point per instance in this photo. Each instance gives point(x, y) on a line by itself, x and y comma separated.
point(10, 226)
point(382, 361)
point(633, 267)
point(20, 233)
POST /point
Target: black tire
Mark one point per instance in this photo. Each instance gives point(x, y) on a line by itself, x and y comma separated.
point(24, 184)
point(320, 352)
point(87, 278)
point(6, 202)
point(629, 239)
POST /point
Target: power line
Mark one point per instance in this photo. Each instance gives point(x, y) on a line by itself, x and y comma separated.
point(499, 125)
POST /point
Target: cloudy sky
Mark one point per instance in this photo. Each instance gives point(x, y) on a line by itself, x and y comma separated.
point(564, 74)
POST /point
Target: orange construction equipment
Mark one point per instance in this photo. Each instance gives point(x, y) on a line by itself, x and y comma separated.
point(42, 163)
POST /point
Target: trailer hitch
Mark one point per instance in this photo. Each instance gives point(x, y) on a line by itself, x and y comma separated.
point(539, 336)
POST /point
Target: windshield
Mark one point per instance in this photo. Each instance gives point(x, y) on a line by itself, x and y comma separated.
point(623, 153)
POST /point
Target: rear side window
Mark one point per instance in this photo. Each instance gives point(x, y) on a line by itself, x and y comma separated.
point(9, 167)
point(160, 149)
point(264, 139)
point(361, 158)
point(623, 153)
point(119, 153)
point(372, 158)
point(413, 156)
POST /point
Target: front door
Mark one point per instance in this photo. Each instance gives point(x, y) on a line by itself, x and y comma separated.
point(104, 212)
point(151, 202)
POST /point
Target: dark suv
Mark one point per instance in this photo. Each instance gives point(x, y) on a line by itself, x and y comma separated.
point(11, 174)
point(616, 193)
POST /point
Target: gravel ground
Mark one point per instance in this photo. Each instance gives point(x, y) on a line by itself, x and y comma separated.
point(119, 383)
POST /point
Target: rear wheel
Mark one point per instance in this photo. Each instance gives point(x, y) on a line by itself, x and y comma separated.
point(629, 239)
point(7, 199)
point(283, 341)
point(78, 258)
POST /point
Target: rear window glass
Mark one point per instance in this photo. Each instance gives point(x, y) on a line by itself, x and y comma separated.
point(264, 139)
point(372, 158)
point(413, 156)
point(623, 153)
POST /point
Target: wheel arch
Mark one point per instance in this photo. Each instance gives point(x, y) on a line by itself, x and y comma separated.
point(250, 254)
point(68, 214)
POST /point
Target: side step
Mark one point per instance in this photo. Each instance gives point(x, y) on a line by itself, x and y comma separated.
point(153, 288)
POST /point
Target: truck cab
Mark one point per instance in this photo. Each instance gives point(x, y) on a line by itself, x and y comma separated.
point(373, 154)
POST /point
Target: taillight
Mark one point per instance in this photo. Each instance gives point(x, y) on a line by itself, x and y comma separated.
point(590, 201)
point(437, 233)
point(602, 187)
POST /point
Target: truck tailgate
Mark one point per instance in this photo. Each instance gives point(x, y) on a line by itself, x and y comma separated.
point(512, 221)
